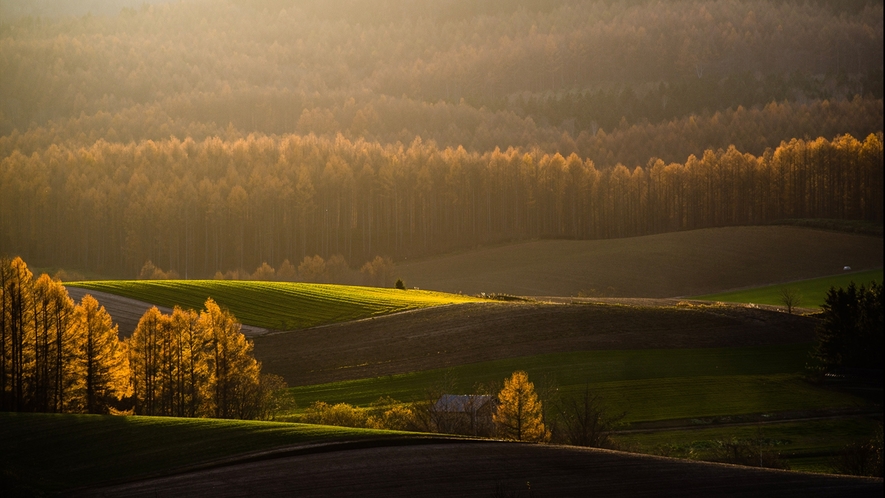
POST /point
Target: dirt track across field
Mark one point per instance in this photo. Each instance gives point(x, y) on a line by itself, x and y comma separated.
point(447, 336)
point(468, 468)
point(126, 312)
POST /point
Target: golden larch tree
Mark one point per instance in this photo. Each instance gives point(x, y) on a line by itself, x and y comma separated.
point(102, 361)
point(144, 361)
point(519, 414)
point(234, 373)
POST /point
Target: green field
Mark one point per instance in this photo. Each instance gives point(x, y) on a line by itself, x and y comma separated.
point(677, 387)
point(808, 445)
point(647, 384)
point(54, 452)
point(277, 305)
point(813, 291)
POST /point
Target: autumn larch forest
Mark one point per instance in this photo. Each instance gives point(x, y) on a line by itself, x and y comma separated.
point(209, 138)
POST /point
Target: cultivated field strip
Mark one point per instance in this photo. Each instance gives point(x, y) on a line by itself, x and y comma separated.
point(278, 305)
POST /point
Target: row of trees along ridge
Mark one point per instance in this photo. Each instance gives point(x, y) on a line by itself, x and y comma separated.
point(202, 207)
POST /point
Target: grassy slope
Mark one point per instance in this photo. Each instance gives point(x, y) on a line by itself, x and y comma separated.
point(691, 385)
point(808, 445)
point(647, 384)
point(277, 305)
point(53, 452)
point(813, 291)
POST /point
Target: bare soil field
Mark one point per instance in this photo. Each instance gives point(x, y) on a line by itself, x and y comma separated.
point(667, 265)
point(469, 468)
point(459, 334)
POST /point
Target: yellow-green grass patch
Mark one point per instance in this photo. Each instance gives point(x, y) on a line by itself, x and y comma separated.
point(812, 292)
point(278, 305)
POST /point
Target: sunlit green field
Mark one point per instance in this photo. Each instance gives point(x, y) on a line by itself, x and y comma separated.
point(648, 385)
point(813, 292)
point(683, 386)
point(277, 305)
point(53, 452)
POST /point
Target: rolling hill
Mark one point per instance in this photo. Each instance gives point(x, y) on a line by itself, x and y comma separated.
point(472, 468)
point(667, 265)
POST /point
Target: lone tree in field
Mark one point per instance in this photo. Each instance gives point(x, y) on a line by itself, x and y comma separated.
point(519, 414)
point(791, 297)
point(851, 335)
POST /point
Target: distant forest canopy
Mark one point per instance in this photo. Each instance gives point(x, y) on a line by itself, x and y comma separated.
point(498, 73)
point(211, 136)
point(216, 205)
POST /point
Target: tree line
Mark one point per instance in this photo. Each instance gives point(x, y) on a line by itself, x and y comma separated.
point(567, 125)
point(199, 208)
point(61, 356)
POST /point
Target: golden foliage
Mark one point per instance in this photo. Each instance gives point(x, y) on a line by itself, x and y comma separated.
point(101, 361)
point(519, 414)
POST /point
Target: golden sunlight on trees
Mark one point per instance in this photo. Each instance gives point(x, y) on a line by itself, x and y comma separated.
point(197, 365)
point(56, 356)
point(519, 414)
point(320, 203)
point(101, 359)
point(234, 383)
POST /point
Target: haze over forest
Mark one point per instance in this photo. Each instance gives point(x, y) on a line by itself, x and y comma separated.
point(211, 136)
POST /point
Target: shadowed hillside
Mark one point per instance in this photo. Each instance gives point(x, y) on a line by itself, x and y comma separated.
point(667, 265)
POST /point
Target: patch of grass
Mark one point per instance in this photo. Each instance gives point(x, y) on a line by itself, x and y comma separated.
point(49, 453)
point(647, 384)
point(813, 291)
point(278, 305)
point(807, 445)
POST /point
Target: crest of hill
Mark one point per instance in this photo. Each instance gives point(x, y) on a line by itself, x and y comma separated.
point(657, 266)
point(260, 305)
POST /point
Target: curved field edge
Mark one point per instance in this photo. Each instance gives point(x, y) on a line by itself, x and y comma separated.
point(812, 292)
point(88, 450)
point(278, 305)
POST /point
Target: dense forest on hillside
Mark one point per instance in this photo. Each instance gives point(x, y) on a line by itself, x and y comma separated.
point(217, 135)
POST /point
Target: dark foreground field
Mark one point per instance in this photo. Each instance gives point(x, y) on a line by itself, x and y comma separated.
point(487, 469)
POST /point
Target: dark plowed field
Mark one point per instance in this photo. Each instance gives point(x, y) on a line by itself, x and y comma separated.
point(490, 469)
point(454, 335)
